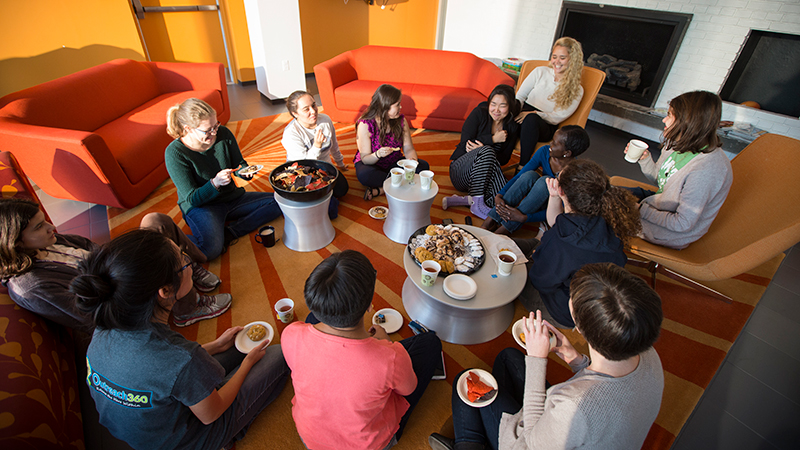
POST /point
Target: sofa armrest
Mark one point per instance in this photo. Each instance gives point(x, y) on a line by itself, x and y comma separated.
point(180, 77)
point(489, 76)
point(331, 74)
point(62, 162)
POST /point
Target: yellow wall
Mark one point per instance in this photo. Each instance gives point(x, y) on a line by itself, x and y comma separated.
point(330, 27)
point(238, 39)
point(44, 40)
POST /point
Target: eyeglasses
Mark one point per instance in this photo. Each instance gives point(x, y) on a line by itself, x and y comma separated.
point(187, 260)
point(210, 131)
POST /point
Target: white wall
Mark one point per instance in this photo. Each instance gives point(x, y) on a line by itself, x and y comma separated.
point(525, 29)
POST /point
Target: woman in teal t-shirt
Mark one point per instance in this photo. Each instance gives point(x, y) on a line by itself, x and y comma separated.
point(693, 173)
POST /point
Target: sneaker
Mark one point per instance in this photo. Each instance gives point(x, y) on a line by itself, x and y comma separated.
point(204, 281)
point(439, 442)
point(208, 307)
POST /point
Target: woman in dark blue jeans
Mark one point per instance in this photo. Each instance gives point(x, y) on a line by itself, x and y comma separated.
point(202, 161)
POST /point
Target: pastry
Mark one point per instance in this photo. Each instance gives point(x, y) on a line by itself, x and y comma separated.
point(257, 332)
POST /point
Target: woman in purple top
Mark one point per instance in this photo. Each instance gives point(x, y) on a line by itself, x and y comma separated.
point(383, 137)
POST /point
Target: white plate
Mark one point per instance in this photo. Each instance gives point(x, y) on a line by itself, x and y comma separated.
point(517, 329)
point(378, 212)
point(251, 170)
point(402, 163)
point(394, 320)
point(486, 377)
point(244, 344)
point(460, 287)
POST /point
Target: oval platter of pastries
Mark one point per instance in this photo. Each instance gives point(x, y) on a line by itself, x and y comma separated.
point(454, 248)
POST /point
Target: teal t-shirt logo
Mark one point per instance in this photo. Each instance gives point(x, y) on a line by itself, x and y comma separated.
point(121, 395)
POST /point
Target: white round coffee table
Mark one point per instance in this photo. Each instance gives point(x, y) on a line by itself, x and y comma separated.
point(306, 225)
point(409, 208)
point(480, 319)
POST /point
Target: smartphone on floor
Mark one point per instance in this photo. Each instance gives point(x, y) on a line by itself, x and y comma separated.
point(438, 373)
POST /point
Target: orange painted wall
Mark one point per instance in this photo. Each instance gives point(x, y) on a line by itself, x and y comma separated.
point(330, 27)
point(44, 40)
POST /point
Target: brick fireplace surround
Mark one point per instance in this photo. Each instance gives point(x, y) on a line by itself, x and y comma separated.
point(717, 32)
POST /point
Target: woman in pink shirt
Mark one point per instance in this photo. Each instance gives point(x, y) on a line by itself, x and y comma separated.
point(354, 387)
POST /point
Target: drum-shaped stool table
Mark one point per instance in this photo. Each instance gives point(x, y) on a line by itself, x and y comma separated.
point(409, 208)
point(306, 225)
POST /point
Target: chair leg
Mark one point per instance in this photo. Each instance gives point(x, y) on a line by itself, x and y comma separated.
point(654, 268)
point(691, 283)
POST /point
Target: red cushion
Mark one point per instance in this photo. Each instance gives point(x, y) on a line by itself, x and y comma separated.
point(137, 140)
point(39, 407)
point(443, 101)
point(356, 95)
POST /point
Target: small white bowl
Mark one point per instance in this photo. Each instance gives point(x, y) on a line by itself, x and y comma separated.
point(486, 377)
point(244, 344)
point(517, 329)
point(394, 320)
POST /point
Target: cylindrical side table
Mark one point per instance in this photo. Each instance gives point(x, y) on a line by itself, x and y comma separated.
point(409, 208)
point(306, 225)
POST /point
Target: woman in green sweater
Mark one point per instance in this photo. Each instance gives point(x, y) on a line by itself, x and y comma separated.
point(201, 162)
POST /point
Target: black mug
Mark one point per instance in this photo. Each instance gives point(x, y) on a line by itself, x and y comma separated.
point(266, 236)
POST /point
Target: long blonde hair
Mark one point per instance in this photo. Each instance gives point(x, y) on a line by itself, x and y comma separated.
point(188, 113)
point(570, 86)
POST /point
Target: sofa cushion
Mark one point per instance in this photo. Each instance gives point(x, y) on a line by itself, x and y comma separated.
point(39, 403)
point(356, 95)
point(416, 66)
point(83, 100)
point(443, 101)
point(138, 139)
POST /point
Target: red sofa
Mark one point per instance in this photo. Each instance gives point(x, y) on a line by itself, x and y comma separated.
point(440, 88)
point(99, 135)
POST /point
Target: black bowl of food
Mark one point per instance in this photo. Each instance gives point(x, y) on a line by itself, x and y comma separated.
point(305, 180)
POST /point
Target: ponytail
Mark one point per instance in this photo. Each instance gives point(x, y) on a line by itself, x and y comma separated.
point(188, 113)
point(589, 193)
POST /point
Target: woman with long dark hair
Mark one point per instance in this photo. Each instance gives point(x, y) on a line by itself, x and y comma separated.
point(383, 137)
point(152, 387)
point(487, 141)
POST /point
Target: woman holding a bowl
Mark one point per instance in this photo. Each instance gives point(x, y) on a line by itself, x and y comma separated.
point(152, 387)
point(202, 161)
point(383, 137)
point(311, 135)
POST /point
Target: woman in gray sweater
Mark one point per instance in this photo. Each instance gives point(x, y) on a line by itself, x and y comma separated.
point(610, 402)
point(693, 174)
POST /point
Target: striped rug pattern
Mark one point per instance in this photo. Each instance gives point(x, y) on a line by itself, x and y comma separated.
point(697, 332)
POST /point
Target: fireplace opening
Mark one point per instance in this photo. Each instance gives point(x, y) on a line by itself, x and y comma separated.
point(635, 47)
point(767, 71)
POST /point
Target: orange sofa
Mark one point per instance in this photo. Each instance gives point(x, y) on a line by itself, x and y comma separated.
point(99, 135)
point(440, 88)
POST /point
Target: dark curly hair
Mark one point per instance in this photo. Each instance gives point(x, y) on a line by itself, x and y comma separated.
point(590, 193)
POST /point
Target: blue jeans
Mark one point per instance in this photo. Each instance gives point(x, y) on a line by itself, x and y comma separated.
point(263, 384)
point(244, 215)
point(529, 195)
point(482, 425)
point(425, 351)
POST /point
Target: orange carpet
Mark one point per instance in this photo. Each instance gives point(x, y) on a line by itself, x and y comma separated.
point(697, 332)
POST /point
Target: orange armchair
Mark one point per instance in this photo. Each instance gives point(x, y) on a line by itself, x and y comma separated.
point(591, 80)
point(759, 219)
point(99, 135)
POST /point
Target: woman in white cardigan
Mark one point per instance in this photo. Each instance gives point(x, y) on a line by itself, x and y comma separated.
point(548, 95)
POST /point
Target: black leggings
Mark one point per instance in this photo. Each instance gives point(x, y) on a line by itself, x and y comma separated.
point(534, 129)
point(373, 176)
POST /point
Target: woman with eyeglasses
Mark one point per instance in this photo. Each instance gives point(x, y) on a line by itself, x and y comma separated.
point(152, 387)
point(202, 161)
point(37, 265)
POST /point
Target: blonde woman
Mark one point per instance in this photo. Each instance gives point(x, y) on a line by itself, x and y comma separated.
point(549, 94)
point(202, 161)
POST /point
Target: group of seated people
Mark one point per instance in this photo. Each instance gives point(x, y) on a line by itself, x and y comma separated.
point(354, 387)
